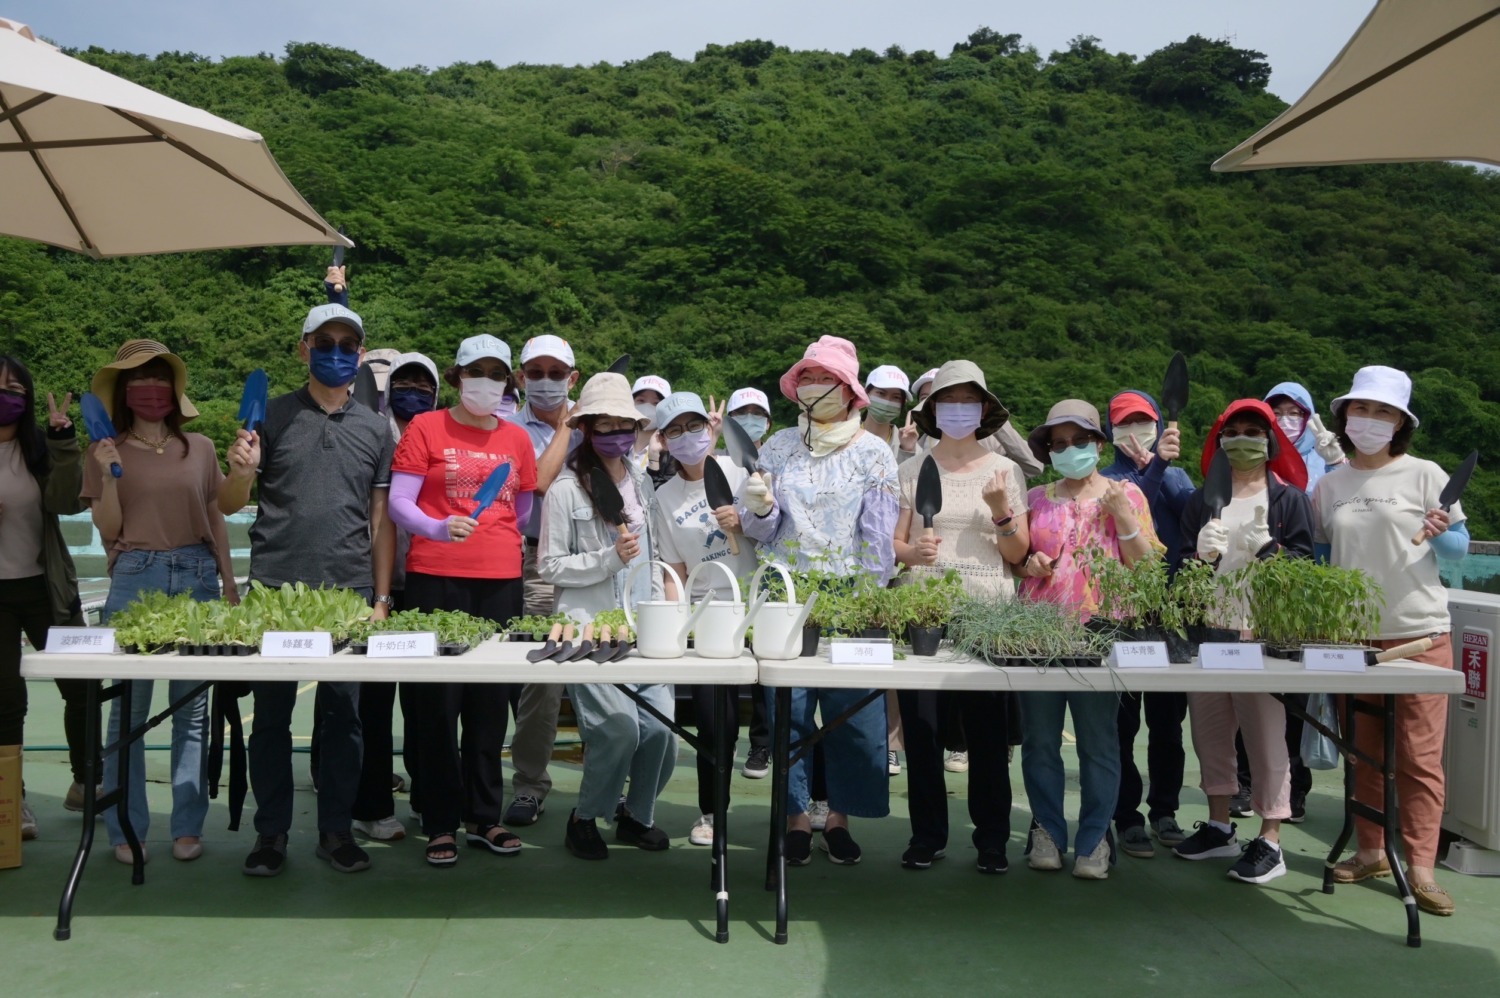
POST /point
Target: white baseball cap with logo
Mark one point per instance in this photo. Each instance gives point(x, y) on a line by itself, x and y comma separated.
point(333, 312)
point(547, 346)
point(889, 376)
point(483, 345)
point(925, 379)
point(651, 383)
point(749, 396)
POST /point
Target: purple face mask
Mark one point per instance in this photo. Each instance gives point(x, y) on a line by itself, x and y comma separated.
point(12, 407)
point(614, 444)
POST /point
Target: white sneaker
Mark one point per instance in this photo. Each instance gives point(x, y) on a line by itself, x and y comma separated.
point(957, 762)
point(385, 830)
point(893, 763)
point(817, 813)
point(28, 821)
point(1044, 854)
point(702, 833)
point(1094, 866)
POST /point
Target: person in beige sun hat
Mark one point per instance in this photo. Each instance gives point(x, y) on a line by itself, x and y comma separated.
point(134, 354)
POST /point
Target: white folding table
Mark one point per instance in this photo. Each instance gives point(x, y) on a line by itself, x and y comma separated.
point(494, 661)
point(949, 671)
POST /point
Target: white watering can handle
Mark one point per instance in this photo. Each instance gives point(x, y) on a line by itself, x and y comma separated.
point(630, 578)
point(734, 584)
point(786, 577)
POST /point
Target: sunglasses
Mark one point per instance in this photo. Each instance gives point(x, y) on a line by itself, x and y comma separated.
point(1060, 445)
point(345, 346)
point(494, 374)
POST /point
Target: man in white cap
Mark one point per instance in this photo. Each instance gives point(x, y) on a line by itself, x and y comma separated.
point(1007, 440)
point(548, 374)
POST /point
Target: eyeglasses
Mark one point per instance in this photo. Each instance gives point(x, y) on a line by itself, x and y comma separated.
point(1081, 440)
point(1254, 432)
point(537, 374)
point(412, 386)
point(494, 373)
point(346, 346)
point(675, 431)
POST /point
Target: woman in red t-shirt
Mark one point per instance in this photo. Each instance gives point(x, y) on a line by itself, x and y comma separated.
point(459, 563)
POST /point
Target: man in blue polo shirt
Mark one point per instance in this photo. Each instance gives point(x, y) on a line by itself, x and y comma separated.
point(323, 462)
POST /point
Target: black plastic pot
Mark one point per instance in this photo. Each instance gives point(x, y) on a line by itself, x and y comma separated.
point(810, 635)
point(924, 640)
point(875, 633)
point(1179, 649)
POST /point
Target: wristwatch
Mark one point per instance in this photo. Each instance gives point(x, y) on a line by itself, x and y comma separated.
point(386, 599)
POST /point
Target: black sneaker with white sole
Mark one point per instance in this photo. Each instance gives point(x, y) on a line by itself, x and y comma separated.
point(1208, 842)
point(992, 862)
point(758, 764)
point(840, 846)
point(524, 810)
point(920, 857)
point(798, 848)
point(1260, 863)
point(1240, 805)
point(339, 849)
point(268, 858)
point(1299, 809)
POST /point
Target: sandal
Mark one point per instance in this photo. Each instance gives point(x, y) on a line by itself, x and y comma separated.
point(436, 850)
point(1352, 871)
point(496, 838)
point(1432, 899)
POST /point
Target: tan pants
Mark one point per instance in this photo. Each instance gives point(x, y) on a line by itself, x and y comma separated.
point(536, 709)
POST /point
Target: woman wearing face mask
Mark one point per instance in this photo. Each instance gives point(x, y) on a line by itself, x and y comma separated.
point(691, 533)
point(588, 561)
point(889, 390)
point(1366, 514)
point(1067, 518)
point(161, 525)
point(1268, 512)
point(40, 474)
point(752, 410)
point(649, 451)
point(826, 496)
point(1318, 448)
point(459, 563)
point(980, 532)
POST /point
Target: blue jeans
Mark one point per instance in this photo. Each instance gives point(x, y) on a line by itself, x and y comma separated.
point(623, 740)
point(855, 752)
point(1094, 724)
point(191, 569)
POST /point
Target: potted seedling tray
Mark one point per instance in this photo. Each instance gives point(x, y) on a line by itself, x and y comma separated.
point(363, 648)
point(533, 629)
point(149, 649)
point(216, 650)
point(1031, 633)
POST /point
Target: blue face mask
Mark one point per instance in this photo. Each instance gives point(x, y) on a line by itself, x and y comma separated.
point(756, 426)
point(408, 403)
point(1077, 462)
point(332, 367)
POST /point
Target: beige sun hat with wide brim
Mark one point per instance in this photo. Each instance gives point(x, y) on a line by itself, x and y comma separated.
point(959, 372)
point(132, 354)
point(606, 394)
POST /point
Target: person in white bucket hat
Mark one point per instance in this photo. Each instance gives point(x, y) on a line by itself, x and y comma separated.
point(1380, 513)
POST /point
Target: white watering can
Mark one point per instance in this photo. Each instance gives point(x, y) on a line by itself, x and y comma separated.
point(661, 626)
point(778, 631)
point(721, 631)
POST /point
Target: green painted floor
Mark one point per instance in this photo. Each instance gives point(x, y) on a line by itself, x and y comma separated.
point(546, 923)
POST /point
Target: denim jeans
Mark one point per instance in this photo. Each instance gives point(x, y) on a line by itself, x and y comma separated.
point(622, 740)
point(1094, 724)
point(855, 752)
point(191, 569)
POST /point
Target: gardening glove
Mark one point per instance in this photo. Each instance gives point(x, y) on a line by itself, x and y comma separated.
point(1254, 535)
point(1213, 541)
point(1327, 443)
point(757, 497)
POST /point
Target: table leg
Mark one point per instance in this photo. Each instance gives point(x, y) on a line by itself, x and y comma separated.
point(725, 703)
point(1393, 850)
point(91, 739)
point(779, 781)
point(1342, 839)
point(122, 797)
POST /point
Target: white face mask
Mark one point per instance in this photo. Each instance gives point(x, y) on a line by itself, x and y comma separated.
point(481, 396)
point(648, 413)
point(1143, 434)
point(1292, 426)
point(1369, 436)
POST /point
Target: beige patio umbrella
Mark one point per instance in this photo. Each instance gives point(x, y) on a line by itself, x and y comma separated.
point(1420, 80)
point(94, 163)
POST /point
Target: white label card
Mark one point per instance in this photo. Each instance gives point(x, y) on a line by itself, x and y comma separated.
point(1333, 659)
point(297, 644)
point(1140, 655)
point(80, 641)
point(397, 645)
point(858, 651)
point(1231, 655)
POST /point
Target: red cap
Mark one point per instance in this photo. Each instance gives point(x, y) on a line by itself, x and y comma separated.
point(1127, 404)
point(1284, 460)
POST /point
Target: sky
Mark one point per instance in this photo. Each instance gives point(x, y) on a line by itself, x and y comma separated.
point(582, 32)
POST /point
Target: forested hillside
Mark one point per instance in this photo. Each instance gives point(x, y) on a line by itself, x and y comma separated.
point(1052, 218)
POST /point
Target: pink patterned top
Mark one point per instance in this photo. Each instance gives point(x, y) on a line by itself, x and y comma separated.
point(1064, 529)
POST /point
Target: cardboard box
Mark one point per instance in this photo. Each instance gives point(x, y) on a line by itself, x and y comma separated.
point(10, 806)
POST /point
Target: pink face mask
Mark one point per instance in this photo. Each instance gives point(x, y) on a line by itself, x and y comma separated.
point(152, 403)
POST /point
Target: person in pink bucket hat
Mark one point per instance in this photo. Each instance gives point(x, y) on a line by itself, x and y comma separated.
point(826, 498)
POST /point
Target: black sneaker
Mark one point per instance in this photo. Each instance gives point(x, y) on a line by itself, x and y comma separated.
point(758, 765)
point(1208, 842)
point(630, 832)
point(524, 810)
point(1240, 805)
point(583, 839)
point(840, 846)
point(992, 861)
point(268, 858)
point(341, 852)
point(798, 848)
point(919, 857)
point(1299, 809)
point(1260, 863)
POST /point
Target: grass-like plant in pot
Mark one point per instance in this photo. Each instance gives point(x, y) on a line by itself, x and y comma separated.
point(1024, 632)
point(1295, 602)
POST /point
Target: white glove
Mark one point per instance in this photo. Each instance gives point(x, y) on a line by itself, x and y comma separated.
point(1213, 540)
point(1254, 535)
point(1327, 443)
point(757, 495)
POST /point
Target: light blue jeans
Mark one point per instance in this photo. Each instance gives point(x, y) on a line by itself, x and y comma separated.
point(622, 740)
point(1094, 724)
point(190, 569)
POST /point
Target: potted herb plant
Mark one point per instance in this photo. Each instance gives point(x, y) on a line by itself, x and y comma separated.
point(1295, 602)
point(929, 605)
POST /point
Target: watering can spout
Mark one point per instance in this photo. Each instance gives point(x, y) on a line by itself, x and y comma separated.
point(796, 633)
point(692, 622)
point(760, 601)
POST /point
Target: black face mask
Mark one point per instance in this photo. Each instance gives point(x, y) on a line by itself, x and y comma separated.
point(408, 403)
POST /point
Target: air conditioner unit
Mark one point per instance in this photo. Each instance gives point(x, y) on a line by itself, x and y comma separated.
point(1471, 757)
